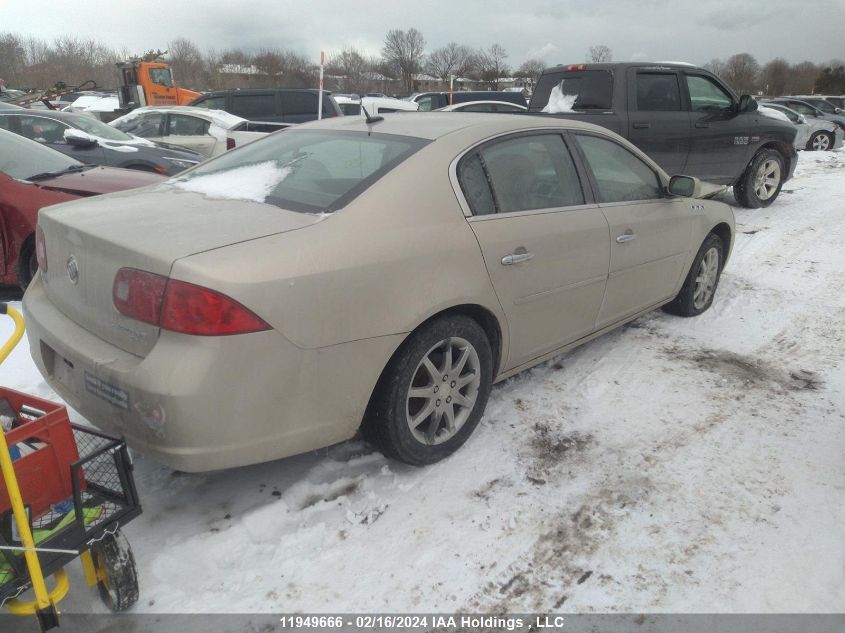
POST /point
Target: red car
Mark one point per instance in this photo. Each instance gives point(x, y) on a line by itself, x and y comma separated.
point(33, 176)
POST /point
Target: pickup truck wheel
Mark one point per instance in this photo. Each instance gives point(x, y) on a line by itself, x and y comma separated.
point(820, 142)
point(699, 288)
point(760, 184)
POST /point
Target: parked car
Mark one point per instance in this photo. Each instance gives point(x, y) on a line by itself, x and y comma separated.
point(351, 106)
point(811, 111)
point(684, 117)
point(484, 106)
point(33, 176)
point(436, 100)
point(838, 101)
point(91, 141)
point(198, 129)
point(285, 105)
point(343, 274)
point(823, 103)
point(813, 134)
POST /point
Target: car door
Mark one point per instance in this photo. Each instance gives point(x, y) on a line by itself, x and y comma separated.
point(658, 121)
point(650, 233)
point(257, 106)
point(544, 241)
point(720, 138)
point(190, 132)
point(148, 125)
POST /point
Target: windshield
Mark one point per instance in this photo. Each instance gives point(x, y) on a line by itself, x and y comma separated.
point(584, 90)
point(95, 127)
point(308, 171)
point(22, 158)
point(824, 106)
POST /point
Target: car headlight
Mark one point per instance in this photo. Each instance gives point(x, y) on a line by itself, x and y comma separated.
point(181, 162)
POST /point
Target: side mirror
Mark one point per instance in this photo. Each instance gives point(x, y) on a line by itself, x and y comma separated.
point(684, 186)
point(78, 138)
point(747, 103)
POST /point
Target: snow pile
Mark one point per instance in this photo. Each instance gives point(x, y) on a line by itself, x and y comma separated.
point(772, 113)
point(251, 182)
point(559, 102)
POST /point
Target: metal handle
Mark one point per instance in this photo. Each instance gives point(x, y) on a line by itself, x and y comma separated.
point(627, 237)
point(702, 125)
point(516, 258)
point(639, 125)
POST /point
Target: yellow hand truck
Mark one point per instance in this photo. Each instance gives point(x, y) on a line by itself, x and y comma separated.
point(66, 492)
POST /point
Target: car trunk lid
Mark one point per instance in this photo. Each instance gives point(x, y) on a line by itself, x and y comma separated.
point(89, 240)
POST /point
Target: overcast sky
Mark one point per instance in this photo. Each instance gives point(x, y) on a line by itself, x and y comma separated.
point(556, 31)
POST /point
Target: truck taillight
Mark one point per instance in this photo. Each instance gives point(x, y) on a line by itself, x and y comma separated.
point(230, 143)
point(180, 306)
point(40, 248)
point(577, 67)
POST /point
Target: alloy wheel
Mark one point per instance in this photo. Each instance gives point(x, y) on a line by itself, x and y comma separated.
point(768, 179)
point(705, 282)
point(821, 143)
point(443, 391)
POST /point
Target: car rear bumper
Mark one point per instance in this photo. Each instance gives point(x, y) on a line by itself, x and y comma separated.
point(205, 403)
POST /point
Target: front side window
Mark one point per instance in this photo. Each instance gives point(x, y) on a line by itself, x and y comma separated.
point(803, 108)
point(658, 92)
point(144, 125)
point(619, 174)
point(428, 103)
point(212, 103)
point(706, 96)
point(161, 76)
point(96, 128)
point(42, 129)
point(310, 171)
point(523, 173)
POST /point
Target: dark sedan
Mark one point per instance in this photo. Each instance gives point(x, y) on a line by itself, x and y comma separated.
point(91, 141)
point(31, 177)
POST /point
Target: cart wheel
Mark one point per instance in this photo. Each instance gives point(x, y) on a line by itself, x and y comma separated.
point(117, 578)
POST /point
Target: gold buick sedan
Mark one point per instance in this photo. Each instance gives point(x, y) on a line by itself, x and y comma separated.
point(376, 274)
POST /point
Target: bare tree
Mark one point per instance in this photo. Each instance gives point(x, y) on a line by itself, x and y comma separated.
point(403, 50)
point(530, 69)
point(741, 73)
point(802, 77)
point(600, 53)
point(491, 65)
point(448, 60)
point(12, 59)
point(774, 76)
point(270, 63)
point(715, 66)
point(187, 63)
point(352, 67)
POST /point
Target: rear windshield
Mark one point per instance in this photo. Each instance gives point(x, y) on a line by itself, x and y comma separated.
point(310, 171)
point(567, 91)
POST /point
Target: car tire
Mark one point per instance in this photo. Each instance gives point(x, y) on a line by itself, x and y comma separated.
point(117, 576)
point(27, 264)
point(419, 413)
point(762, 180)
point(820, 142)
point(699, 288)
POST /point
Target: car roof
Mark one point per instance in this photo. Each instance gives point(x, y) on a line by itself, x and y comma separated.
point(252, 91)
point(614, 65)
point(434, 125)
point(220, 117)
point(464, 104)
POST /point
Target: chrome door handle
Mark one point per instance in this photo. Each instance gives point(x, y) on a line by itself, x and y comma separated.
point(626, 237)
point(516, 258)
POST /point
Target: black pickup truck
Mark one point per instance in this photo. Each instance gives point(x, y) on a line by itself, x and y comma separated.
point(682, 116)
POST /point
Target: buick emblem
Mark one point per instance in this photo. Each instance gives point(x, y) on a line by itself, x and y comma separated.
point(72, 269)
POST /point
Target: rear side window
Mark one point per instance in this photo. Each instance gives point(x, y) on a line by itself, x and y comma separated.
point(309, 171)
point(431, 102)
point(584, 90)
point(248, 106)
point(145, 125)
point(658, 92)
point(523, 173)
point(300, 103)
point(183, 125)
point(619, 174)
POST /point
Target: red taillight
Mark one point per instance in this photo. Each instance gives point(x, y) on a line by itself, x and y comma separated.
point(40, 248)
point(180, 306)
point(230, 143)
point(139, 294)
point(577, 67)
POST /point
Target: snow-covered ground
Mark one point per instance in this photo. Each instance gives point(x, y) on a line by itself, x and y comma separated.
point(676, 465)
